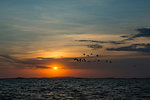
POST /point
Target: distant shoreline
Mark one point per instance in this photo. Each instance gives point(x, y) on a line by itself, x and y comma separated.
point(72, 78)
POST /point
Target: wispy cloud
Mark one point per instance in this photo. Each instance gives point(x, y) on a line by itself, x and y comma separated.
point(94, 46)
point(32, 63)
point(95, 41)
point(47, 63)
point(142, 32)
point(43, 67)
point(143, 48)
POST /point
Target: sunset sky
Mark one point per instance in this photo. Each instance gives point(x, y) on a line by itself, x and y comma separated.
point(38, 35)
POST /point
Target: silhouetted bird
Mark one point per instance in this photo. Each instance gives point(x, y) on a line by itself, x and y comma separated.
point(80, 60)
point(97, 55)
point(110, 61)
point(76, 59)
point(84, 60)
point(98, 60)
point(106, 61)
point(84, 54)
point(91, 53)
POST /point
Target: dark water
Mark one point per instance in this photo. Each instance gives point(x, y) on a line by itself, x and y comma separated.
point(74, 89)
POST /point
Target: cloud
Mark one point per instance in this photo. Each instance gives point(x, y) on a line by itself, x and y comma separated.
point(38, 62)
point(43, 67)
point(91, 41)
point(32, 63)
point(94, 46)
point(116, 42)
point(124, 36)
point(95, 41)
point(142, 32)
point(11, 59)
point(144, 48)
point(47, 63)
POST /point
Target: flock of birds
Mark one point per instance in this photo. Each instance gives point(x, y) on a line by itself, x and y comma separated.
point(97, 59)
point(86, 60)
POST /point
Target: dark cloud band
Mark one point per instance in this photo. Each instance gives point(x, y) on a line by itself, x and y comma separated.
point(144, 48)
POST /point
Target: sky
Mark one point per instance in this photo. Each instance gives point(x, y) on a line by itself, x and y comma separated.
point(38, 35)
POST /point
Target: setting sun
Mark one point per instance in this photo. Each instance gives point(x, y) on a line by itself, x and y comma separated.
point(55, 68)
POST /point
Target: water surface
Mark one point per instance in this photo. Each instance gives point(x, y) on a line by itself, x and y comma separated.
point(74, 89)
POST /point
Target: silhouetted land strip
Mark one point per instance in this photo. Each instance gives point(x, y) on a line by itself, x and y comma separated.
point(74, 78)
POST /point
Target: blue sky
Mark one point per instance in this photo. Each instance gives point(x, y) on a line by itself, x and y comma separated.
point(104, 15)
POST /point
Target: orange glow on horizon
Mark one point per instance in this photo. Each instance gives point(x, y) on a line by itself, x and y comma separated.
point(53, 72)
point(55, 68)
point(55, 54)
